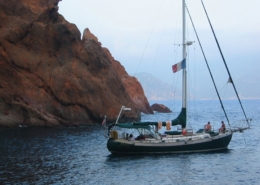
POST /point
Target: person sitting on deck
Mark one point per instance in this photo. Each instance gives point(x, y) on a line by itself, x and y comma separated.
point(223, 127)
point(131, 137)
point(207, 127)
point(140, 137)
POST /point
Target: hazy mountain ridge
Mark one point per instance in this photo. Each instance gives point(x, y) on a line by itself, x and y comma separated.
point(156, 89)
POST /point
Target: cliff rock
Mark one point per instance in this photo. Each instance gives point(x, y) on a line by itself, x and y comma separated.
point(49, 76)
point(160, 108)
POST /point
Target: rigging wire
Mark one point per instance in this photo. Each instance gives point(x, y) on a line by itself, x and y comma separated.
point(224, 93)
point(224, 62)
point(148, 40)
point(207, 65)
point(145, 51)
point(177, 37)
point(194, 83)
point(188, 88)
point(159, 44)
point(191, 87)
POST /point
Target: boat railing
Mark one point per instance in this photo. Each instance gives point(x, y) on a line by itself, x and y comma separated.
point(241, 125)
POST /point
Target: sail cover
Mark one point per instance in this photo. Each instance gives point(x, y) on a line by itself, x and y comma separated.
point(132, 126)
point(180, 120)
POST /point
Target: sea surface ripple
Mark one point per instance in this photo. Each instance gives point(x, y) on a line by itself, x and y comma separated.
point(79, 156)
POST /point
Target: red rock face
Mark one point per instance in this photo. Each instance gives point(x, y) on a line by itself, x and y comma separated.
point(160, 108)
point(50, 77)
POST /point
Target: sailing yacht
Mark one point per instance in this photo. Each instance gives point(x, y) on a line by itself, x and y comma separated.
point(147, 138)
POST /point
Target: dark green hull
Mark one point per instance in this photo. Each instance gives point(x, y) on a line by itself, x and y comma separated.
point(119, 146)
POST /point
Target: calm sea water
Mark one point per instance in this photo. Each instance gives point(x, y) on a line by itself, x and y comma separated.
point(80, 156)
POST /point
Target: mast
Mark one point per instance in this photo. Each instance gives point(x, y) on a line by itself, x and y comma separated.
point(184, 72)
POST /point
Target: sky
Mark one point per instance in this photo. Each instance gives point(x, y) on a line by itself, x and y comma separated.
point(144, 36)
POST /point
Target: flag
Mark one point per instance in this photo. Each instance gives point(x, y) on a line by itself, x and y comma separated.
point(179, 66)
point(104, 121)
point(230, 80)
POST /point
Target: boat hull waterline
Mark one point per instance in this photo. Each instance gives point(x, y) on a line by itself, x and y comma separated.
point(215, 143)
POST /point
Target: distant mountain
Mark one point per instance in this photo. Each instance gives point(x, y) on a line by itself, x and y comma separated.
point(246, 82)
point(156, 89)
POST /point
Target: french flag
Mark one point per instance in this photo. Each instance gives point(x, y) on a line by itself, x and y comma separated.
point(179, 66)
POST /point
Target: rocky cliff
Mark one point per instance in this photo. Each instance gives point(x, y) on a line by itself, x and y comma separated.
point(160, 108)
point(49, 76)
